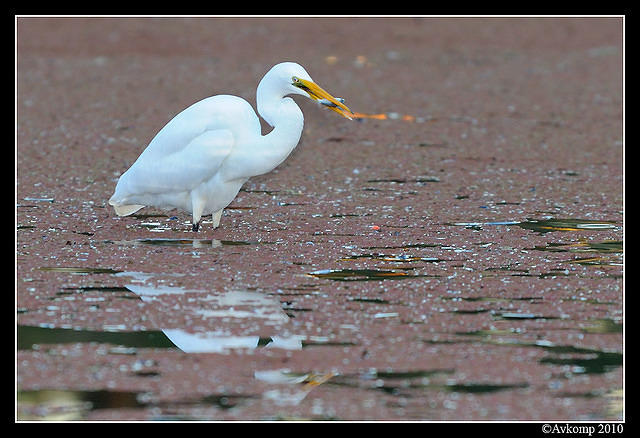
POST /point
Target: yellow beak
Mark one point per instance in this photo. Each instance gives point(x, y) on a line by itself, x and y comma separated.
point(315, 92)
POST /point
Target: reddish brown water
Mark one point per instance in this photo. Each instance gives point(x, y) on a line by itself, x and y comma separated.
point(457, 258)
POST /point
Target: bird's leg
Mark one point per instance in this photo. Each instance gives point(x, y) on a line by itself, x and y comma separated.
point(197, 205)
point(216, 218)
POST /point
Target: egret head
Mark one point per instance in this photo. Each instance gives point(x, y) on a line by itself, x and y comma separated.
point(298, 81)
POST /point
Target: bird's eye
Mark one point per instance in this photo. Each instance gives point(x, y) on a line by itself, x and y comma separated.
point(295, 79)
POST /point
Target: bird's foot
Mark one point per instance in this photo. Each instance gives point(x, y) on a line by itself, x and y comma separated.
point(195, 227)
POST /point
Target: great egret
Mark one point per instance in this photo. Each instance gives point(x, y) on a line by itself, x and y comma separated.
point(202, 157)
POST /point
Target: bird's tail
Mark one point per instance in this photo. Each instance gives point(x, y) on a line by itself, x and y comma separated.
point(124, 210)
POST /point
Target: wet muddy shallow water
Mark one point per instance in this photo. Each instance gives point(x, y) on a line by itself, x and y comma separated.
point(463, 263)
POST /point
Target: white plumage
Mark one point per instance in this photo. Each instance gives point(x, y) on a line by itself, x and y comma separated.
point(200, 159)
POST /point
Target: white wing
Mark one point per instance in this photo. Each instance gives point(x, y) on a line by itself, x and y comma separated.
point(179, 171)
point(188, 151)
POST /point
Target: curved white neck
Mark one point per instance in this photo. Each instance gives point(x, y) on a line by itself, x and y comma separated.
point(287, 120)
point(259, 154)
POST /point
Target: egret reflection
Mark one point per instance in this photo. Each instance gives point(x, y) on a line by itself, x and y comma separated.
point(229, 308)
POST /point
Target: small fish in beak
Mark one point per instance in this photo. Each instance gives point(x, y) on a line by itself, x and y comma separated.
point(328, 103)
point(316, 93)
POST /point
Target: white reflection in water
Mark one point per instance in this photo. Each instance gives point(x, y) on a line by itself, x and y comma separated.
point(147, 292)
point(230, 307)
point(244, 304)
point(211, 343)
point(234, 305)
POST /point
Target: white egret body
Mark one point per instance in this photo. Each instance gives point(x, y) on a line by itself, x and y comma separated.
point(200, 159)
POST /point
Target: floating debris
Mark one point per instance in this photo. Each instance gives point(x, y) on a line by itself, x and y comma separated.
point(605, 325)
point(545, 225)
point(407, 246)
point(479, 225)
point(596, 261)
point(362, 274)
point(80, 270)
point(611, 248)
point(519, 315)
point(196, 243)
point(480, 387)
point(392, 258)
point(582, 360)
point(386, 315)
point(606, 246)
point(395, 382)
point(39, 199)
